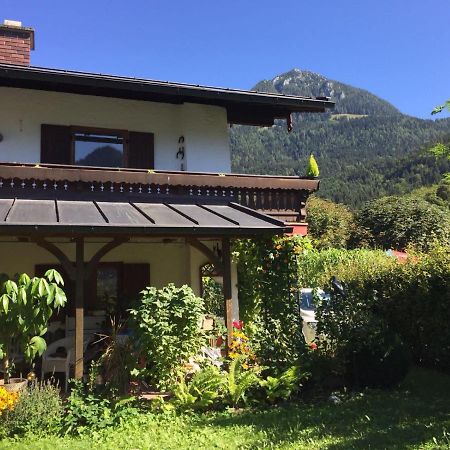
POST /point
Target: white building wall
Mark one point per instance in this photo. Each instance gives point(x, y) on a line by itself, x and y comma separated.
point(204, 127)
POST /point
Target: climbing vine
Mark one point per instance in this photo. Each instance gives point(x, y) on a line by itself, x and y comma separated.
point(268, 287)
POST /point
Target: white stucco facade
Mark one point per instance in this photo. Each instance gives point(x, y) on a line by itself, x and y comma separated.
point(204, 127)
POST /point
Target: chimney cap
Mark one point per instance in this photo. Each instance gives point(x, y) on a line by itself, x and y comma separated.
point(12, 23)
point(16, 25)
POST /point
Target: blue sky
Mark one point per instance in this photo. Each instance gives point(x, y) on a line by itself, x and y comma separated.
point(397, 49)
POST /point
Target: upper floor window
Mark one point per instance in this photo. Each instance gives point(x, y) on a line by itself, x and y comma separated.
point(99, 149)
point(84, 146)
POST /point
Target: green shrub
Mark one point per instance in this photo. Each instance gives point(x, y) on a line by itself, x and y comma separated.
point(39, 410)
point(283, 386)
point(166, 325)
point(329, 224)
point(398, 222)
point(410, 300)
point(381, 362)
point(90, 410)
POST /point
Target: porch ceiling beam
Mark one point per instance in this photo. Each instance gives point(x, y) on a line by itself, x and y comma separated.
point(60, 256)
point(92, 264)
point(212, 257)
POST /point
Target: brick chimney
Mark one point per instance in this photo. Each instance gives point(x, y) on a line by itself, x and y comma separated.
point(16, 43)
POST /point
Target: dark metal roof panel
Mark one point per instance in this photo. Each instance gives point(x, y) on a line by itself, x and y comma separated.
point(33, 212)
point(201, 216)
point(162, 215)
point(5, 206)
point(242, 218)
point(79, 213)
point(64, 217)
point(118, 213)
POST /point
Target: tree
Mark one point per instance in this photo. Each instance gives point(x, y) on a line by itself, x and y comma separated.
point(441, 150)
point(313, 169)
point(329, 223)
point(397, 222)
point(26, 305)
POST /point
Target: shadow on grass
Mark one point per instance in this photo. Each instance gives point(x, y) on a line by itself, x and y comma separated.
point(411, 416)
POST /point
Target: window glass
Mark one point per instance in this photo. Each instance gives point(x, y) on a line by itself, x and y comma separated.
point(107, 287)
point(102, 150)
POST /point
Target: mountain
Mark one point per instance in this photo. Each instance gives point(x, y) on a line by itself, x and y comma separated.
point(365, 147)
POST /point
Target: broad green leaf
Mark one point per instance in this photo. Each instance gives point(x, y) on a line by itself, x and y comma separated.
point(23, 295)
point(11, 287)
point(43, 287)
point(24, 279)
point(5, 302)
point(51, 293)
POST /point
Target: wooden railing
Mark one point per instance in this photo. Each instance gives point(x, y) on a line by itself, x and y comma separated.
point(281, 197)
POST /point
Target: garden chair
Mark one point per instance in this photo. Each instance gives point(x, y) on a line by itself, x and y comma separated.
point(53, 362)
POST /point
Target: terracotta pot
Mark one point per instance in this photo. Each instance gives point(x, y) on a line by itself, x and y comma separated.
point(14, 385)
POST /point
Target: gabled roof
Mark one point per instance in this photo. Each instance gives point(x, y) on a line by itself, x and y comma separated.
point(243, 107)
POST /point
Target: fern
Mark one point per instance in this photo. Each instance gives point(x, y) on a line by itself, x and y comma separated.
point(240, 380)
point(201, 391)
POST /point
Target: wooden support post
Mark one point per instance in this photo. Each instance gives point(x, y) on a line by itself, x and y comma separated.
point(79, 308)
point(227, 291)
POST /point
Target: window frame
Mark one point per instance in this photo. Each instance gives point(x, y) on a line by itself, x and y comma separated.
point(124, 134)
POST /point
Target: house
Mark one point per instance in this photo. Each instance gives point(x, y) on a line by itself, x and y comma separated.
point(124, 182)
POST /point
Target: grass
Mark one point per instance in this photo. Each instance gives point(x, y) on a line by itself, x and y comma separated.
point(415, 416)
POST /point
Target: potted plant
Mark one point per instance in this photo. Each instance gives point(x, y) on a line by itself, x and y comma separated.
point(26, 305)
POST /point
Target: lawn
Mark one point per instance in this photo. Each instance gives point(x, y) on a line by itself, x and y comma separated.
point(415, 416)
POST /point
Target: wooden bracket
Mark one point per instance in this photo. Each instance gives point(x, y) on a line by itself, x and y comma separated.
point(92, 264)
point(60, 255)
point(212, 257)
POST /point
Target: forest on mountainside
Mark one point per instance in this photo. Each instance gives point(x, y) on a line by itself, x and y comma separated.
point(365, 147)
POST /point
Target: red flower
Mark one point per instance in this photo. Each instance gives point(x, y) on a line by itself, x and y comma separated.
point(238, 324)
point(313, 346)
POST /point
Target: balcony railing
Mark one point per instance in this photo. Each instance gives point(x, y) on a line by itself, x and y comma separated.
point(280, 196)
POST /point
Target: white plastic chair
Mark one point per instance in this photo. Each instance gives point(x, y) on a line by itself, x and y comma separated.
point(52, 364)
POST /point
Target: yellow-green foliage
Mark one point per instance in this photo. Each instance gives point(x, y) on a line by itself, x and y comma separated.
point(316, 267)
point(313, 169)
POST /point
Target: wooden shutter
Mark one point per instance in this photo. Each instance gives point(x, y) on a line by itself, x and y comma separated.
point(141, 149)
point(135, 278)
point(56, 144)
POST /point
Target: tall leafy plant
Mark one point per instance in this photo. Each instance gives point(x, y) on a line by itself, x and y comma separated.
point(26, 305)
point(166, 324)
point(268, 287)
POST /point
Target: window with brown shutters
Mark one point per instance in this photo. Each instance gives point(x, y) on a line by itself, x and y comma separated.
point(100, 147)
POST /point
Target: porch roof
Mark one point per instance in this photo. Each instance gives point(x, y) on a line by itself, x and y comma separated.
point(56, 217)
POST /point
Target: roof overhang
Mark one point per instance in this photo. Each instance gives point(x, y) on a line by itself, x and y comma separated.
point(34, 217)
point(243, 107)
